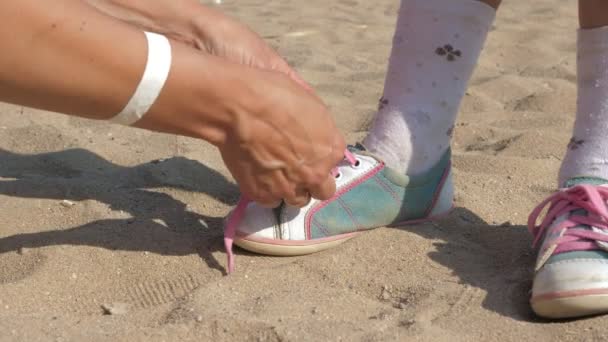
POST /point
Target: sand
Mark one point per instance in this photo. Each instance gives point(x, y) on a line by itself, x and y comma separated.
point(111, 233)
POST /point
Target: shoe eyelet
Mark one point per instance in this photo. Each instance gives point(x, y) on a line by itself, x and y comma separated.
point(338, 176)
point(356, 164)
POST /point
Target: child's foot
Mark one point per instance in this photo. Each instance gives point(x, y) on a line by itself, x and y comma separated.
point(572, 267)
point(369, 195)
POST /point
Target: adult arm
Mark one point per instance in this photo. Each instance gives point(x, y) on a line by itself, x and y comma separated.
point(73, 59)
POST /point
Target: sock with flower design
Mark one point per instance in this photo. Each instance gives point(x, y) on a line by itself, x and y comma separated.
point(587, 154)
point(435, 49)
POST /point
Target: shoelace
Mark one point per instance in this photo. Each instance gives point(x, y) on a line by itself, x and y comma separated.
point(239, 211)
point(587, 197)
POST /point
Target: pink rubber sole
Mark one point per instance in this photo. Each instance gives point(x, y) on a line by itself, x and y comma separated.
point(569, 304)
point(304, 247)
point(293, 248)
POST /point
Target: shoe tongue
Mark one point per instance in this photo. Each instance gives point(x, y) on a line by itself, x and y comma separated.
point(584, 180)
point(580, 181)
point(358, 147)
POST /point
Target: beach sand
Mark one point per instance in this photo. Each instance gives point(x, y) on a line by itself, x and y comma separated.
point(96, 215)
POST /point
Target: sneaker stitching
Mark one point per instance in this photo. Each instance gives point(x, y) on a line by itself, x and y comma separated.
point(349, 212)
point(321, 227)
point(387, 189)
point(597, 261)
point(342, 191)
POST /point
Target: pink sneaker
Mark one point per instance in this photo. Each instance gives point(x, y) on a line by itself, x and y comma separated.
point(571, 277)
point(369, 195)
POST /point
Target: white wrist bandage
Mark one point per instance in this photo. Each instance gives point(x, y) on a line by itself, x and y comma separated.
point(152, 82)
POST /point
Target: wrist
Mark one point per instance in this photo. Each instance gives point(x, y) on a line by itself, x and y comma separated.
point(206, 25)
point(175, 19)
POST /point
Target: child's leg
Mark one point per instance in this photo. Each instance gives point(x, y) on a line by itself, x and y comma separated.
point(572, 261)
point(587, 153)
point(435, 50)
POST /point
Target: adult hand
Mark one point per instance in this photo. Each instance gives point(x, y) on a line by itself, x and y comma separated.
point(285, 147)
point(300, 161)
point(200, 27)
point(275, 136)
point(277, 139)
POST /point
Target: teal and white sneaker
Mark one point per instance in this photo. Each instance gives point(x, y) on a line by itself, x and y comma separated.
point(571, 277)
point(369, 195)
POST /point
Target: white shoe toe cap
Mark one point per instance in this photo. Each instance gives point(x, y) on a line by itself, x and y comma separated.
point(571, 276)
point(258, 222)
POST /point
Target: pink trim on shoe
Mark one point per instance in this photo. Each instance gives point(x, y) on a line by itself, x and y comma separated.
point(565, 236)
point(427, 218)
point(566, 294)
point(300, 242)
point(237, 216)
point(344, 190)
point(444, 177)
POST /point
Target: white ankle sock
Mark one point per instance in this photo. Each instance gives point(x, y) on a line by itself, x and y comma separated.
point(587, 154)
point(435, 50)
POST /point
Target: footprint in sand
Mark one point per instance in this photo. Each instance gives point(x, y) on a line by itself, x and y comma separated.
point(495, 147)
point(149, 294)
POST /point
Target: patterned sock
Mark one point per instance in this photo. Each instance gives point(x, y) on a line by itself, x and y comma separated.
point(435, 49)
point(587, 154)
